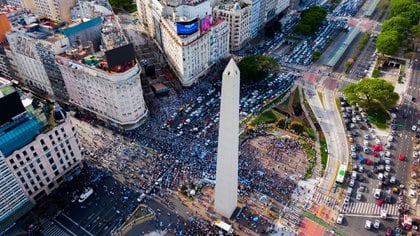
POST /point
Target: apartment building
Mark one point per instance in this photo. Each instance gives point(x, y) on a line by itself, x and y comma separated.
point(39, 150)
point(106, 82)
point(54, 9)
point(34, 47)
point(238, 15)
point(186, 33)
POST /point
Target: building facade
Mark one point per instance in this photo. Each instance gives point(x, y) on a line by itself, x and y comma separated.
point(185, 32)
point(39, 150)
point(238, 18)
point(55, 9)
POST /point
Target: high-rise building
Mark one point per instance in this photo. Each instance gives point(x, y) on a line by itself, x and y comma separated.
point(184, 33)
point(34, 49)
point(238, 16)
point(55, 9)
point(106, 82)
point(226, 190)
point(39, 150)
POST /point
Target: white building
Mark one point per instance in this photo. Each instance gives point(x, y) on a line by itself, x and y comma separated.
point(184, 33)
point(282, 5)
point(38, 151)
point(56, 9)
point(113, 92)
point(34, 52)
point(239, 21)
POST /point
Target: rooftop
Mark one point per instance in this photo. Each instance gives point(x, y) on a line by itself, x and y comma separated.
point(95, 60)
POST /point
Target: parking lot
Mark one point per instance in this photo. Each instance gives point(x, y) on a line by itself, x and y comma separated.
point(302, 53)
point(347, 8)
point(374, 189)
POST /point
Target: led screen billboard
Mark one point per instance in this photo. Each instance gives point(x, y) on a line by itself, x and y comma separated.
point(11, 106)
point(120, 56)
point(206, 23)
point(187, 27)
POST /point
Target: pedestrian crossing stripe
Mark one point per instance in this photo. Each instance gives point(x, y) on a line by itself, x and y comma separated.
point(323, 199)
point(363, 208)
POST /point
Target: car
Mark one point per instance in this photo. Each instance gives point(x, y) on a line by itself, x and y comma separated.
point(340, 219)
point(387, 168)
point(415, 154)
point(360, 168)
point(378, 141)
point(359, 196)
point(393, 179)
point(396, 190)
point(380, 176)
point(353, 148)
point(401, 157)
point(352, 181)
point(413, 186)
point(346, 200)
point(368, 224)
point(377, 193)
point(377, 224)
point(414, 128)
point(384, 213)
point(366, 137)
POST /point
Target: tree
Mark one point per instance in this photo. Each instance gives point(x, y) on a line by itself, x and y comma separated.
point(388, 42)
point(376, 73)
point(311, 20)
point(125, 5)
point(316, 55)
point(371, 94)
point(255, 68)
point(406, 8)
point(399, 24)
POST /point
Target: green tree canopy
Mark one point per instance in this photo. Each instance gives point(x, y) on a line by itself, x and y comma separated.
point(371, 93)
point(388, 42)
point(255, 68)
point(406, 8)
point(125, 5)
point(311, 20)
point(397, 23)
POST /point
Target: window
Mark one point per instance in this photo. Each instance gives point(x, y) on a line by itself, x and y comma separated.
point(30, 192)
point(56, 172)
point(35, 188)
point(42, 142)
point(12, 161)
point(32, 148)
point(18, 157)
point(54, 166)
point(24, 153)
point(51, 161)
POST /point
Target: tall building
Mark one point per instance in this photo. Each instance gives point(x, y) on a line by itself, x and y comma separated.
point(238, 15)
point(106, 82)
point(226, 190)
point(184, 33)
point(39, 150)
point(34, 48)
point(55, 9)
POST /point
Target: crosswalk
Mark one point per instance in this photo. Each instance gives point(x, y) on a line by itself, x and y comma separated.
point(362, 208)
point(51, 229)
point(321, 198)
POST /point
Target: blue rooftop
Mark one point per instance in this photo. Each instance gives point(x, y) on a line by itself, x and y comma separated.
point(81, 27)
point(19, 133)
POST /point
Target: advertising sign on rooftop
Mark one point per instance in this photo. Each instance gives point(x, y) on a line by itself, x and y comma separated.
point(187, 27)
point(205, 23)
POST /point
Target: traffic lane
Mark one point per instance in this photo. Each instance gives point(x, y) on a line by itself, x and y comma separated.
point(355, 225)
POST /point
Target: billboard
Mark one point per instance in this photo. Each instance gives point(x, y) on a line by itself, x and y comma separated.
point(205, 23)
point(120, 56)
point(11, 106)
point(187, 27)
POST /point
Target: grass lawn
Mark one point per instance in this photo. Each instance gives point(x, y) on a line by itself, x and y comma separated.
point(321, 98)
point(267, 117)
point(323, 150)
point(378, 116)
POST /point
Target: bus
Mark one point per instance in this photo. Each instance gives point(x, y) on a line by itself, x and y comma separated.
point(340, 175)
point(224, 226)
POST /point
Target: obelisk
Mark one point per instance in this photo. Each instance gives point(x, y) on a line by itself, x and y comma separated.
point(226, 195)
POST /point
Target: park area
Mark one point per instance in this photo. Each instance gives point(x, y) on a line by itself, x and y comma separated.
point(288, 119)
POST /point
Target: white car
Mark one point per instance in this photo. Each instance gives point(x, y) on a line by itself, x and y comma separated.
point(378, 141)
point(387, 161)
point(340, 219)
point(368, 224)
point(414, 128)
point(351, 184)
point(359, 196)
point(415, 154)
point(388, 168)
point(377, 224)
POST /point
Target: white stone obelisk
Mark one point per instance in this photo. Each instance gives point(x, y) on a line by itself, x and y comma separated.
point(226, 195)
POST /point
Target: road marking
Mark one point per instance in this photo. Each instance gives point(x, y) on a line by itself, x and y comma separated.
point(371, 216)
